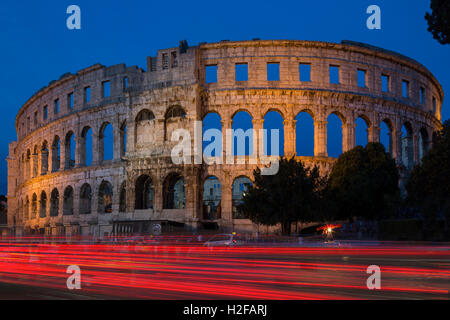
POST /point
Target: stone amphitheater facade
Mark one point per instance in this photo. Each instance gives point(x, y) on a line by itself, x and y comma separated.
point(53, 192)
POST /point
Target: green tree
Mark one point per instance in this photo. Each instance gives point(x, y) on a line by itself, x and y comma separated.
point(290, 195)
point(363, 183)
point(439, 20)
point(428, 185)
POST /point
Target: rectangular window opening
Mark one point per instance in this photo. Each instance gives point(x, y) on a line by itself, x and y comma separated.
point(35, 118)
point(273, 71)
point(125, 82)
point(165, 61)
point(405, 89)
point(334, 74)
point(106, 89)
point(305, 72)
point(45, 113)
point(422, 95)
point(173, 58)
point(241, 70)
point(70, 100)
point(211, 73)
point(434, 105)
point(56, 106)
point(384, 83)
point(87, 94)
point(361, 78)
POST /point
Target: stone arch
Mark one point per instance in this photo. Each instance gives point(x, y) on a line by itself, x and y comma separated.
point(144, 192)
point(212, 130)
point(424, 142)
point(273, 120)
point(386, 135)
point(174, 191)
point(274, 109)
point(362, 126)
point(106, 142)
point(123, 197)
point(54, 203)
point(304, 133)
point(69, 149)
point(86, 148)
point(123, 138)
point(212, 198)
point(242, 125)
point(105, 195)
point(240, 186)
point(68, 201)
point(26, 213)
point(173, 119)
point(34, 206)
point(56, 154)
point(43, 205)
point(145, 129)
point(407, 146)
point(335, 134)
point(44, 157)
point(85, 205)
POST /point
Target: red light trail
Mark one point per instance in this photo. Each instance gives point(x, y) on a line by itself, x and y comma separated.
point(175, 269)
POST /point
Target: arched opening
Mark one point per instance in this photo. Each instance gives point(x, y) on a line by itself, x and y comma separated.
point(44, 157)
point(145, 126)
point(123, 197)
point(386, 135)
point(54, 203)
point(242, 134)
point(70, 147)
point(28, 164)
point(106, 142)
point(123, 138)
point(68, 201)
point(334, 135)
point(145, 192)
point(240, 186)
point(273, 134)
point(34, 206)
point(212, 135)
point(35, 161)
point(304, 134)
point(174, 193)
point(43, 206)
point(423, 142)
point(56, 149)
point(361, 131)
point(172, 120)
point(26, 213)
point(85, 199)
point(407, 145)
point(105, 194)
point(212, 194)
point(86, 146)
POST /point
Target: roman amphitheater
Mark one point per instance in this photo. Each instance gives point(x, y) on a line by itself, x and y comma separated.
point(62, 180)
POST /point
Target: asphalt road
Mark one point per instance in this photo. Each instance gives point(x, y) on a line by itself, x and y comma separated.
point(189, 271)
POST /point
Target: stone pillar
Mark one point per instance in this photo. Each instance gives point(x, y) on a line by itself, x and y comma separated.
point(226, 200)
point(95, 149)
point(34, 169)
point(78, 151)
point(397, 144)
point(289, 137)
point(320, 138)
point(227, 150)
point(348, 135)
point(415, 145)
point(158, 200)
point(131, 128)
point(192, 199)
point(44, 162)
point(258, 138)
point(373, 134)
point(116, 139)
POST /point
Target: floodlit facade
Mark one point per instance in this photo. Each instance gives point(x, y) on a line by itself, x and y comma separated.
point(93, 154)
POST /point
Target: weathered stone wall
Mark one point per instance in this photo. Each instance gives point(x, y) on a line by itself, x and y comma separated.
point(174, 81)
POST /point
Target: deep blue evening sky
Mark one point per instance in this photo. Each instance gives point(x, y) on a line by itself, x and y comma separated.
point(37, 47)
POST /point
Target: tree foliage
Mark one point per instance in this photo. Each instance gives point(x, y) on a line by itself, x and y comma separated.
point(439, 20)
point(428, 186)
point(290, 195)
point(363, 183)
